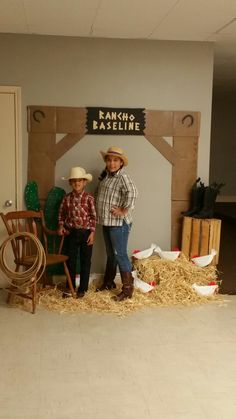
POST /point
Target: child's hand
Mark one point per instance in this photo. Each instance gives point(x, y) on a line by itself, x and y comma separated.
point(61, 231)
point(90, 239)
point(119, 211)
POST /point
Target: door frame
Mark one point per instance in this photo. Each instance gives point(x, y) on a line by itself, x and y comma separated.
point(16, 90)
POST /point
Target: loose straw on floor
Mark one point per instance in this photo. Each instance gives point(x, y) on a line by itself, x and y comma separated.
point(174, 288)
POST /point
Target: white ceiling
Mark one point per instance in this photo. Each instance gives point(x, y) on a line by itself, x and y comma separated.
point(182, 20)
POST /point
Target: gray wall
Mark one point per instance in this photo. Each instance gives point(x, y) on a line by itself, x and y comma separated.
point(65, 71)
point(223, 145)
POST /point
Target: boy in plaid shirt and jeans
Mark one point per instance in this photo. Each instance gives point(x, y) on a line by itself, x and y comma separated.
point(77, 218)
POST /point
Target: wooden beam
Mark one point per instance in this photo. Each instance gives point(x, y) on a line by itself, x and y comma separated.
point(66, 143)
point(163, 147)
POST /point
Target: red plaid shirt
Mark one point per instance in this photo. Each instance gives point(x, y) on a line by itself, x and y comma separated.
point(77, 210)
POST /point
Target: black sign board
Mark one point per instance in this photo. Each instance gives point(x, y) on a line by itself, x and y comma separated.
point(115, 121)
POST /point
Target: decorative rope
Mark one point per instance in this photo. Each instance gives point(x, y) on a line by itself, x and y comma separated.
point(20, 281)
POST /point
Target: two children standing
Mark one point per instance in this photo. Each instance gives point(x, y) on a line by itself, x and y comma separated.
point(115, 200)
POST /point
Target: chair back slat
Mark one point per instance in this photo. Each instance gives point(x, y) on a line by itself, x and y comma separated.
point(19, 222)
point(31, 222)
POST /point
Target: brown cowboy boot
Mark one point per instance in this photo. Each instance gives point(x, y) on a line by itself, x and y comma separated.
point(127, 288)
point(108, 280)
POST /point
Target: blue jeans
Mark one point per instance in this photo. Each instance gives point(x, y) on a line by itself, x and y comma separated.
point(116, 240)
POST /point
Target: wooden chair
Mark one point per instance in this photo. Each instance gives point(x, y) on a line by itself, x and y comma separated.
point(24, 249)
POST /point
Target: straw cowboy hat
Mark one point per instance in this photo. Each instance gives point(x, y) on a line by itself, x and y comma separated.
point(116, 152)
point(78, 173)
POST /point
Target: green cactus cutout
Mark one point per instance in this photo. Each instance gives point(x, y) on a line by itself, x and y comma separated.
point(31, 196)
point(52, 205)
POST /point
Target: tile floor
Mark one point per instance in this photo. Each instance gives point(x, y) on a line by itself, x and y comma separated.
point(163, 363)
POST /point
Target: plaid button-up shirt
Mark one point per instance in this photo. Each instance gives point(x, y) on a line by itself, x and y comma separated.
point(116, 190)
point(77, 210)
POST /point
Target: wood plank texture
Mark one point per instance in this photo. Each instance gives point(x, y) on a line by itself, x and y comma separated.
point(200, 236)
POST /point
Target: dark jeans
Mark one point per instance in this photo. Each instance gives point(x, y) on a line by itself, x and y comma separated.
point(77, 246)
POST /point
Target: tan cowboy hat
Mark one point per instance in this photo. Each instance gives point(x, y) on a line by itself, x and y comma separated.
point(78, 173)
point(116, 152)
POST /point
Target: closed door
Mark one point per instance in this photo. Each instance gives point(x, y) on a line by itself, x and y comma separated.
point(10, 145)
point(7, 151)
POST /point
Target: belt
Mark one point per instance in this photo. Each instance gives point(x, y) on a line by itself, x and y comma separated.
point(78, 228)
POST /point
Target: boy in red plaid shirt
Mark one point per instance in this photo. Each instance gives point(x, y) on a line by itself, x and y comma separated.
point(77, 218)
